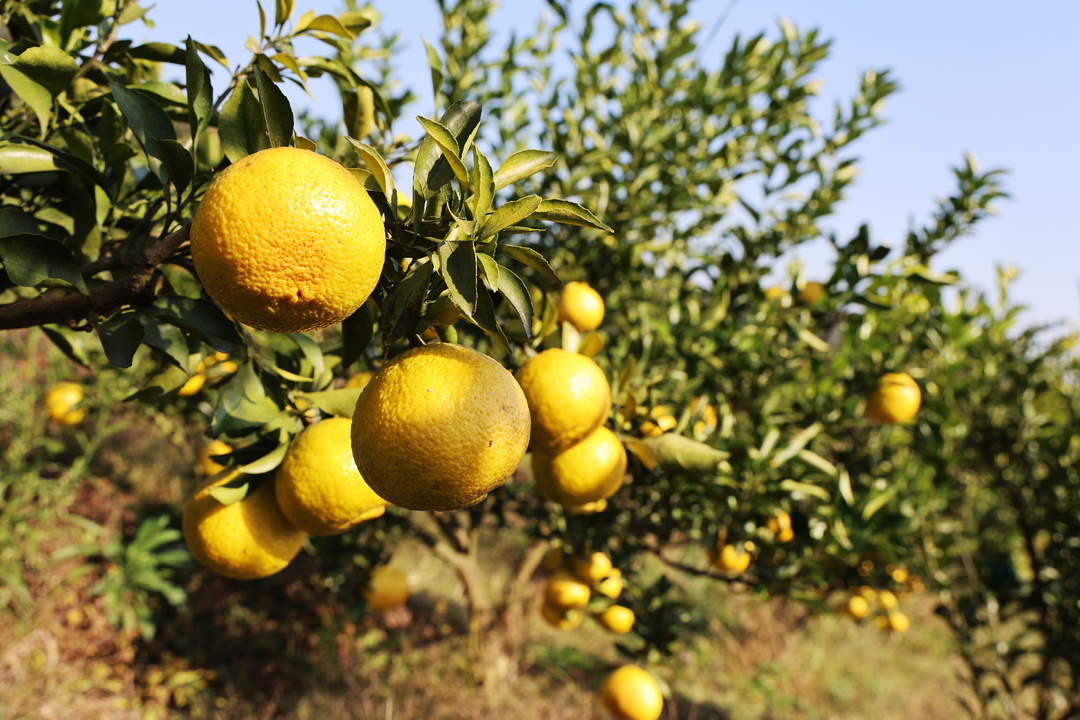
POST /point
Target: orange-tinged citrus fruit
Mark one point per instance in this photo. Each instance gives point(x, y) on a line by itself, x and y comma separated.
point(193, 385)
point(594, 568)
point(287, 240)
point(246, 540)
point(587, 472)
point(560, 618)
point(581, 306)
point(439, 427)
point(387, 588)
point(206, 461)
point(858, 606)
point(631, 693)
point(611, 586)
point(568, 396)
point(317, 484)
point(812, 293)
point(60, 401)
point(360, 380)
point(731, 560)
point(898, 622)
point(565, 591)
point(895, 401)
point(618, 619)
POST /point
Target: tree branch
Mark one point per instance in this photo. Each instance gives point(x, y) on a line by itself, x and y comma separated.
point(70, 308)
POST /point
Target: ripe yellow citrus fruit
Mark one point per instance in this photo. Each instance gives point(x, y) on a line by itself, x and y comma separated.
point(565, 591)
point(387, 588)
point(899, 622)
point(587, 472)
point(207, 463)
point(287, 240)
point(611, 586)
point(630, 693)
point(900, 575)
point(868, 592)
point(561, 619)
point(780, 525)
point(61, 399)
point(618, 619)
point(246, 540)
point(568, 397)
point(774, 293)
point(858, 607)
point(812, 292)
point(887, 600)
point(731, 560)
point(581, 306)
point(439, 428)
point(360, 380)
point(318, 486)
point(588, 508)
point(594, 568)
point(193, 385)
point(895, 401)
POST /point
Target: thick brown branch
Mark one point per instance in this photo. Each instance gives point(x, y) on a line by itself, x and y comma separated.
point(69, 308)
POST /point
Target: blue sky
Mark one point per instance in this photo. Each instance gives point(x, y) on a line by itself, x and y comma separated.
point(992, 78)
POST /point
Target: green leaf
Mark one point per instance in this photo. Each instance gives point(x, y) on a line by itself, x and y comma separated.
point(167, 339)
point(163, 93)
point(815, 460)
point(568, 213)
point(147, 121)
point(355, 21)
point(283, 10)
point(36, 96)
point(179, 165)
point(489, 271)
point(877, 503)
point(356, 333)
point(358, 111)
point(813, 340)
point(69, 342)
point(200, 93)
point(513, 289)
point(482, 183)
point(458, 261)
point(797, 443)
point(375, 164)
point(201, 318)
point(311, 351)
point(682, 456)
point(304, 144)
point(792, 486)
point(16, 158)
point(340, 403)
point(436, 65)
point(509, 214)
point(75, 14)
point(158, 52)
point(329, 24)
point(213, 52)
point(51, 68)
point(67, 161)
point(431, 169)
point(404, 303)
point(521, 165)
point(277, 114)
point(244, 399)
point(531, 258)
point(243, 131)
point(449, 146)
point(33, 260)
point(121, 336)
point(228, 494)
point(267, 462)
point(485, 319)
point(845, 487)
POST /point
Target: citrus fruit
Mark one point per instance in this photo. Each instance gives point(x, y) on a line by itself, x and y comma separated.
point(618, 619)
point(774, 293)
point(581, 306)
point(553, 559)
point(387, 588)
point(780, 525)
point(858, 606)
point(868, 592)
point(287, 240)
point(246, 540)
point(317, 484)
point(566, 591)
point(594, 568)
point(812, 292)
point(583, 473)
point(559, 618)
point(887, 600)
point(899, 575)
point(611, 586)
point(630, 693)
point(193, 385)
point(360, 379)
point(568, 397)
point(588, 508)
point(895, 401)
point(61, 399)
point(439, 428)
point(206, 461)
point(730, 559)
point(899, 622)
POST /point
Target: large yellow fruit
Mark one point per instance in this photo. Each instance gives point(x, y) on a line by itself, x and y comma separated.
point(439, 428)
point(812, 293)
point(387, 588)
point(584, 473)
point(899, 622)
point(729, 559)
point(560, 618)
point(594, 568)
point(581, 306)
point(618, 619)
point(630, 693)
point(61, 399)
point(206, 461)
point(318, 486)
point(566, 592)
point(246, 540)
point(287, 240)
point(858, 606)
point(568, 395)
point(895, 401)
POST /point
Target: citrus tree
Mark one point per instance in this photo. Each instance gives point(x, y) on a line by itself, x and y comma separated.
point(846, 442)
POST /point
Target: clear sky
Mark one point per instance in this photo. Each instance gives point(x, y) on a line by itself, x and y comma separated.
point(998, 79)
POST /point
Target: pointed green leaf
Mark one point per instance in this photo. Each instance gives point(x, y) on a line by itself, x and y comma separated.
point(792, 486)
point(448, 144)
point(69, 342)
point(485, 319)
point(375, 164)
point(436, 65)
point(509, 214)
point(815, 460)
point(167, 339)
point(200, 93)
point(513, 289)
point(490, 271)
point(431, 170)
point(50, 67)
point(178, 163)
point(32, 260)
point(228, 494)
point(213, 52)
point(356, 333)
point(340, 403)
point(531, 258)
point(568, 213)
point(329, 24)
point(36, 96)
point(276, 111)
point(283, 10)
point(19, 158)
point(845, 487)
point(458, 260)
point(404, 303)
point(267, 462)
point(877, 503)
point(311, 351)
point(241, 124)
point(797, 443)
point(147, 121)
point(482, 183)
point(200, 318)
point(358, 108)
point(682, 456)
point(521, 165)
point(120, 337)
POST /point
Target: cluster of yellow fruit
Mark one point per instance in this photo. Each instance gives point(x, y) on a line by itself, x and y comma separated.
point(195, 383)
point(732, 560)
point(61, 401)
point(663, 421)
point(858, 605)
point(577, 461)
point(570, 589)
point(810, 294)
